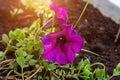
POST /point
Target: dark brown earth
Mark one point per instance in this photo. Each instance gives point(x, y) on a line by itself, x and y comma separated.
point(7, 22)
point(98, 31)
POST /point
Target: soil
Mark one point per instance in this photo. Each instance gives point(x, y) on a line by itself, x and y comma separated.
point(99, 31)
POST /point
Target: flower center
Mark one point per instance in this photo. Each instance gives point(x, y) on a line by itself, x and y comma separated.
point(62, 39)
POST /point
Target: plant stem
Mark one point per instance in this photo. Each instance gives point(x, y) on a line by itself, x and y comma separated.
point(117, 36)
point(33, 74)
point(5, 53)
point(54, 74)
point(90, 52)
point(98, 64)
point(53, 21)
point(7, 61)
point(22, 74)
point(6, 78)
point(6, 49)
point(44, 75)
point(88, 1)
point(110, 77)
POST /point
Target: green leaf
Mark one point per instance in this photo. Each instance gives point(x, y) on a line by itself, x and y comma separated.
point(86, 72)
point(12, 35)
point(10, 47)
point(21, 61)
point(60, 73)
point(19, 44)
point(16, 72)
point(27, 72)
point(53, 78)
point(29, 46)
point(51, 67)
point(20, 11)
point(40, 78)
point(117, 70)
point(19, 34)
point(35, 24)
point(80, 65)
point(12, 13)
point(41, 51)
point(1, 54)
point(100, 78)
point(29, 57)
point(37, 66)
point(13, 65)
point(47, 78)
point(16, 11)
point(25, 66)
point(118, 67)
point(83, 65)
point(57, 71)
point(5, 38)
point(32, 62)
point(87, 66)
point(85, 77)
point(86, 62)
point(99, 73)
point(20, 53)
point(38, 43)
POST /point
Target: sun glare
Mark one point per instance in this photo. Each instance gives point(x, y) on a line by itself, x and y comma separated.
point(43, 1)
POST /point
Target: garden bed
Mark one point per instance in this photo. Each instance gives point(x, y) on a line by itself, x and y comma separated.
point(98, 30)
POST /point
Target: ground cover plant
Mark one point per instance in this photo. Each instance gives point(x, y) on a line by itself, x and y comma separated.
point(47, 49)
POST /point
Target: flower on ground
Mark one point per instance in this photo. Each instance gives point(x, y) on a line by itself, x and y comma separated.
point(62, 46)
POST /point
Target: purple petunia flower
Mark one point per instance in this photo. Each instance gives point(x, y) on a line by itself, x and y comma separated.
point(61, 16)
point(62, 46)
point(60, 13)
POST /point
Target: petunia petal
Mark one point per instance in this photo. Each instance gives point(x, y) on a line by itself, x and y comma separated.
point(48, 42)
point(73, 39)
point(54, 7)
point(61, 15)
point(61, 57)
point(50, 56)
point(69, 53)
point(76, 41)
point(55, 55)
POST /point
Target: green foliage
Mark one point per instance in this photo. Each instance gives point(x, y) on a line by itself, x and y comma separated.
point(100, 74)
point(18, 34)
point(27, 48)
point(5, 38)
point(1, 54)
point(21, 61)
point(32, 62)
point(84, 71)
point(117, 70)
point(20, 53)
point(16, 12)
point(38, 6)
